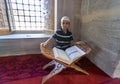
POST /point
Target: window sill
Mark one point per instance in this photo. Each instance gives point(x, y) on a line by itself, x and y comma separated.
point(23, 36)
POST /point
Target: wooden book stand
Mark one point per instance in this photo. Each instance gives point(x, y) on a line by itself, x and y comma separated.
point(59, 66)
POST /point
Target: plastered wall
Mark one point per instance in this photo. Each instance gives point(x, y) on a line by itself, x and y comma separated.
point(101, 28)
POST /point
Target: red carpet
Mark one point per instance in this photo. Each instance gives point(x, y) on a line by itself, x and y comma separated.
point(27, 69)
point(112, 81)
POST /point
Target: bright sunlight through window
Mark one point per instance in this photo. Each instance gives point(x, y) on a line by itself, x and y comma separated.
point(31, 14)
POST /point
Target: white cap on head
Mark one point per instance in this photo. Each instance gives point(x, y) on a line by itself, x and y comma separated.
point(65, 18)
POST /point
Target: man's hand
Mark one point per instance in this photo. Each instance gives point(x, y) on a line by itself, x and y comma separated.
point(80, 42)
point(44, 44)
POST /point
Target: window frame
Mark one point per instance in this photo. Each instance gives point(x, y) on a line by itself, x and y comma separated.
point(11, 22)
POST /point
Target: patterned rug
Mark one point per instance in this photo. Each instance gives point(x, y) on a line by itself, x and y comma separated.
point(20, 67)
point(112, 81)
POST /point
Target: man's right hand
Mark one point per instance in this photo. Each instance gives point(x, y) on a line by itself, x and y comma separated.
point(44, 44)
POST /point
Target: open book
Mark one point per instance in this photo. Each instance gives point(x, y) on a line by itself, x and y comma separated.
point(68, 56)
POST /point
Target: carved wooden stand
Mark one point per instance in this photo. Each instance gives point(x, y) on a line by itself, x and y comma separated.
point(59, 66)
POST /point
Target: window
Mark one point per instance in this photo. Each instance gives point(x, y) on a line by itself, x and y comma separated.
point(31, 15)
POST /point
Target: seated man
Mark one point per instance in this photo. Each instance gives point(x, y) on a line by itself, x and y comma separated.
point(63, 38)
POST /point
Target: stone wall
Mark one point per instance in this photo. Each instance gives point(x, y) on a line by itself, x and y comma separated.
point(101, 28)
point(4, 28)
point(70, 8)
point(18, 46)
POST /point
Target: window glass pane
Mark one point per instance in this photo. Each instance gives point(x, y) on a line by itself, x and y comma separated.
point(38, 14)
point(16, 18)
point(20, 6)
point(33, 24)
point(31, 14)
point(37, 8)
point(33, 19)
point(32, 8)
point(20, 12)
point(37, 2)
point(27, 23)
point(14, 6)
point(21, 23)
point(32, 2)
point(25, 1)
point(26, 7)
point(19, 1)
point(26, 13)
point(27, 18)
point(17, 24)
point(15, 12)
point(37, 19)
point(21, 18)
point(13, 1)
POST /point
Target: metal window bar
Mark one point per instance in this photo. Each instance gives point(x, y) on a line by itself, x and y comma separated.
point(30, 14)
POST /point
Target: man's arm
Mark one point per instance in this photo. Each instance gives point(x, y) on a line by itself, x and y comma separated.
point(51, 39)
point(72, 42)
point(77, 43)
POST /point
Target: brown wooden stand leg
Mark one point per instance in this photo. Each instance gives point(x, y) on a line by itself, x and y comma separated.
point(49, 64)
point(74, 66)
point(58, 68)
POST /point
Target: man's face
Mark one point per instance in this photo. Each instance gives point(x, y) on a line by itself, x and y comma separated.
point(65, 24)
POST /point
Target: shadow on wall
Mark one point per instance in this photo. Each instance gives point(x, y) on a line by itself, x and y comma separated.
point(95, 50)
point(118, 58)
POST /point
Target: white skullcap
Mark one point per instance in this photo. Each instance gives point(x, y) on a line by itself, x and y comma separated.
point(65, 18)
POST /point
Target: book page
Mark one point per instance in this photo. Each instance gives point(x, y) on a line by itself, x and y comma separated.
point(74, 52)
point(60, 54)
